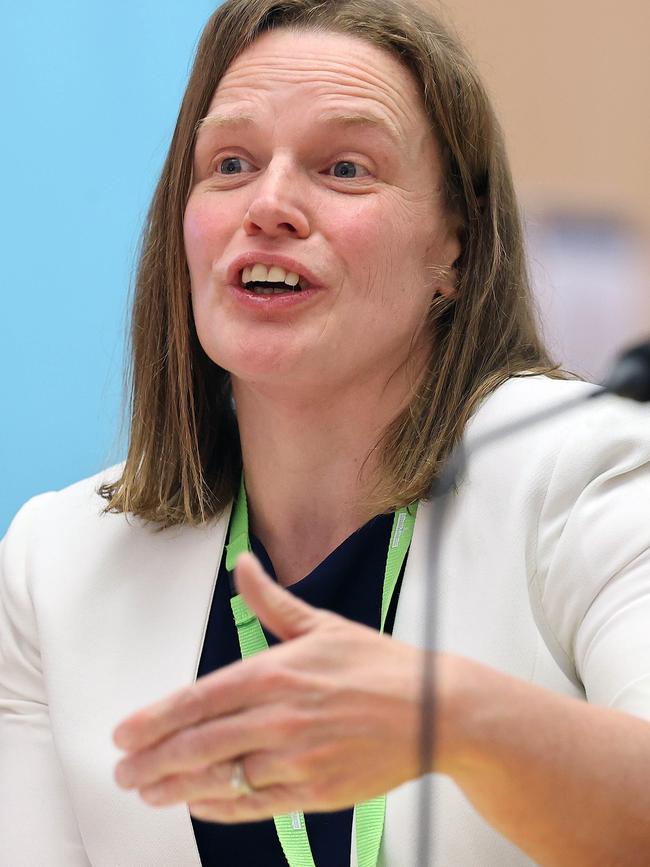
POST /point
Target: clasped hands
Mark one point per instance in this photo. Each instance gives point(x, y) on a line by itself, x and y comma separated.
point(326, 719)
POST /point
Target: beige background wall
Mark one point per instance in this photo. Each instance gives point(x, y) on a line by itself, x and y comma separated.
point(571, 83)
point(570, 80)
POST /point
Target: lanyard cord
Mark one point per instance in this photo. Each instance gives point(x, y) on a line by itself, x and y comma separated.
point(369, 815)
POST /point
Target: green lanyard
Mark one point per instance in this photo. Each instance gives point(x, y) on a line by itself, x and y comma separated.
point(369, 816)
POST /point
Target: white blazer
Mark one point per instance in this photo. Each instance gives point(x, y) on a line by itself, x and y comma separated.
point(545, 575)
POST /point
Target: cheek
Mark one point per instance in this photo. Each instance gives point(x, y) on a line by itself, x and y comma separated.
point(384, 245)
point(365, 239)
point(202, 229)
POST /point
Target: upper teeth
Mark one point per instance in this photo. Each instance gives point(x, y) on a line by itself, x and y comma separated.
point(275, 274)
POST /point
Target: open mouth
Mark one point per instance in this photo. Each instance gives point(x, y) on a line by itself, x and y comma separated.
point(261, 280)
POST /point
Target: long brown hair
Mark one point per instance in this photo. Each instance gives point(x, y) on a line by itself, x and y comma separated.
point(184, 458)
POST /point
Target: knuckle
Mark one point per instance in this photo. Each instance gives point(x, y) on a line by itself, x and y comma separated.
point(290, 726)
point(191, 705)
point(277, 678)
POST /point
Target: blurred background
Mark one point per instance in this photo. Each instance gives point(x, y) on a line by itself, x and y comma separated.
point(90, 97)
point(570, 80)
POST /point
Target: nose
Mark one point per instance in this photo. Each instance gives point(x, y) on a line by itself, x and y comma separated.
point(277, 208)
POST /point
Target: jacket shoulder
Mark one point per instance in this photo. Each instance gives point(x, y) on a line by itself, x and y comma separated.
point(523, 396)
point(53, 515)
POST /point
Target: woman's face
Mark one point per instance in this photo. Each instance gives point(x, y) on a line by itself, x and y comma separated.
point(315, 154)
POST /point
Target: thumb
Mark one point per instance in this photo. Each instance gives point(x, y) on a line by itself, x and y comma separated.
point(280, 611)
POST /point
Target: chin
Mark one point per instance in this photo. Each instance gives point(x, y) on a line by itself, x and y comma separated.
point(251, 365)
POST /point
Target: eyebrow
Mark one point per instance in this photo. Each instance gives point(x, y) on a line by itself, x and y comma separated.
point(221, 121)
point(342, 119)
point(359, 119)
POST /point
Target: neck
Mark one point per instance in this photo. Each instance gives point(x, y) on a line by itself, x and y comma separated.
point(310, 468)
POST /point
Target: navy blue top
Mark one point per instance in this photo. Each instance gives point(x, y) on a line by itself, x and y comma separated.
point(350, 582)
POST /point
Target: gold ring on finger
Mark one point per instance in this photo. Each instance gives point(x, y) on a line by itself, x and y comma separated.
point(238, 779)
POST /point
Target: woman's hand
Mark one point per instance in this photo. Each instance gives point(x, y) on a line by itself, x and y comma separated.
point(326, 719)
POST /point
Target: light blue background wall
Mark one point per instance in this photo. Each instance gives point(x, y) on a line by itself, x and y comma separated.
point(90, 93)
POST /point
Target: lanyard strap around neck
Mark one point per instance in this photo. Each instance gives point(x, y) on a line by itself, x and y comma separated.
point(369, 815)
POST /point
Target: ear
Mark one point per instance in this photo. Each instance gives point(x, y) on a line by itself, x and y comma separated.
point(447, 289)
point(449, 254)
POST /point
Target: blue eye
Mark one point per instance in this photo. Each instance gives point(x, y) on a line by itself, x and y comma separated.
point(349, 169)
point(231, 165)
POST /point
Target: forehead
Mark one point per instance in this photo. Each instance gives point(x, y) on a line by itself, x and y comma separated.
point(323, 70)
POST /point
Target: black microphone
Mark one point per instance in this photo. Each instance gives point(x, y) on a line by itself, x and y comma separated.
point(629, 378)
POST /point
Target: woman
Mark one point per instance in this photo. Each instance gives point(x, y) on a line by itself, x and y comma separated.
point(332, 292)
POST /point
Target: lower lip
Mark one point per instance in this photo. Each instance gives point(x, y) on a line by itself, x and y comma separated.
point(272, 302)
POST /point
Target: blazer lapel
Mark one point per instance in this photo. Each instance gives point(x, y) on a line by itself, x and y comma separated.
point(399, 844)
point(140, 617)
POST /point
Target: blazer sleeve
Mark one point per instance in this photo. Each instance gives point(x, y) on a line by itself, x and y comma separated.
point(593, 557)
point(37, 821)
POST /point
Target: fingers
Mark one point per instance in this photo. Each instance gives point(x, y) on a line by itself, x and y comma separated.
point(264, 804)
point(212, 782)
point(226, 691)
point(198, 747)
point(281, 612)
point(232, 688)
point(262, 771)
